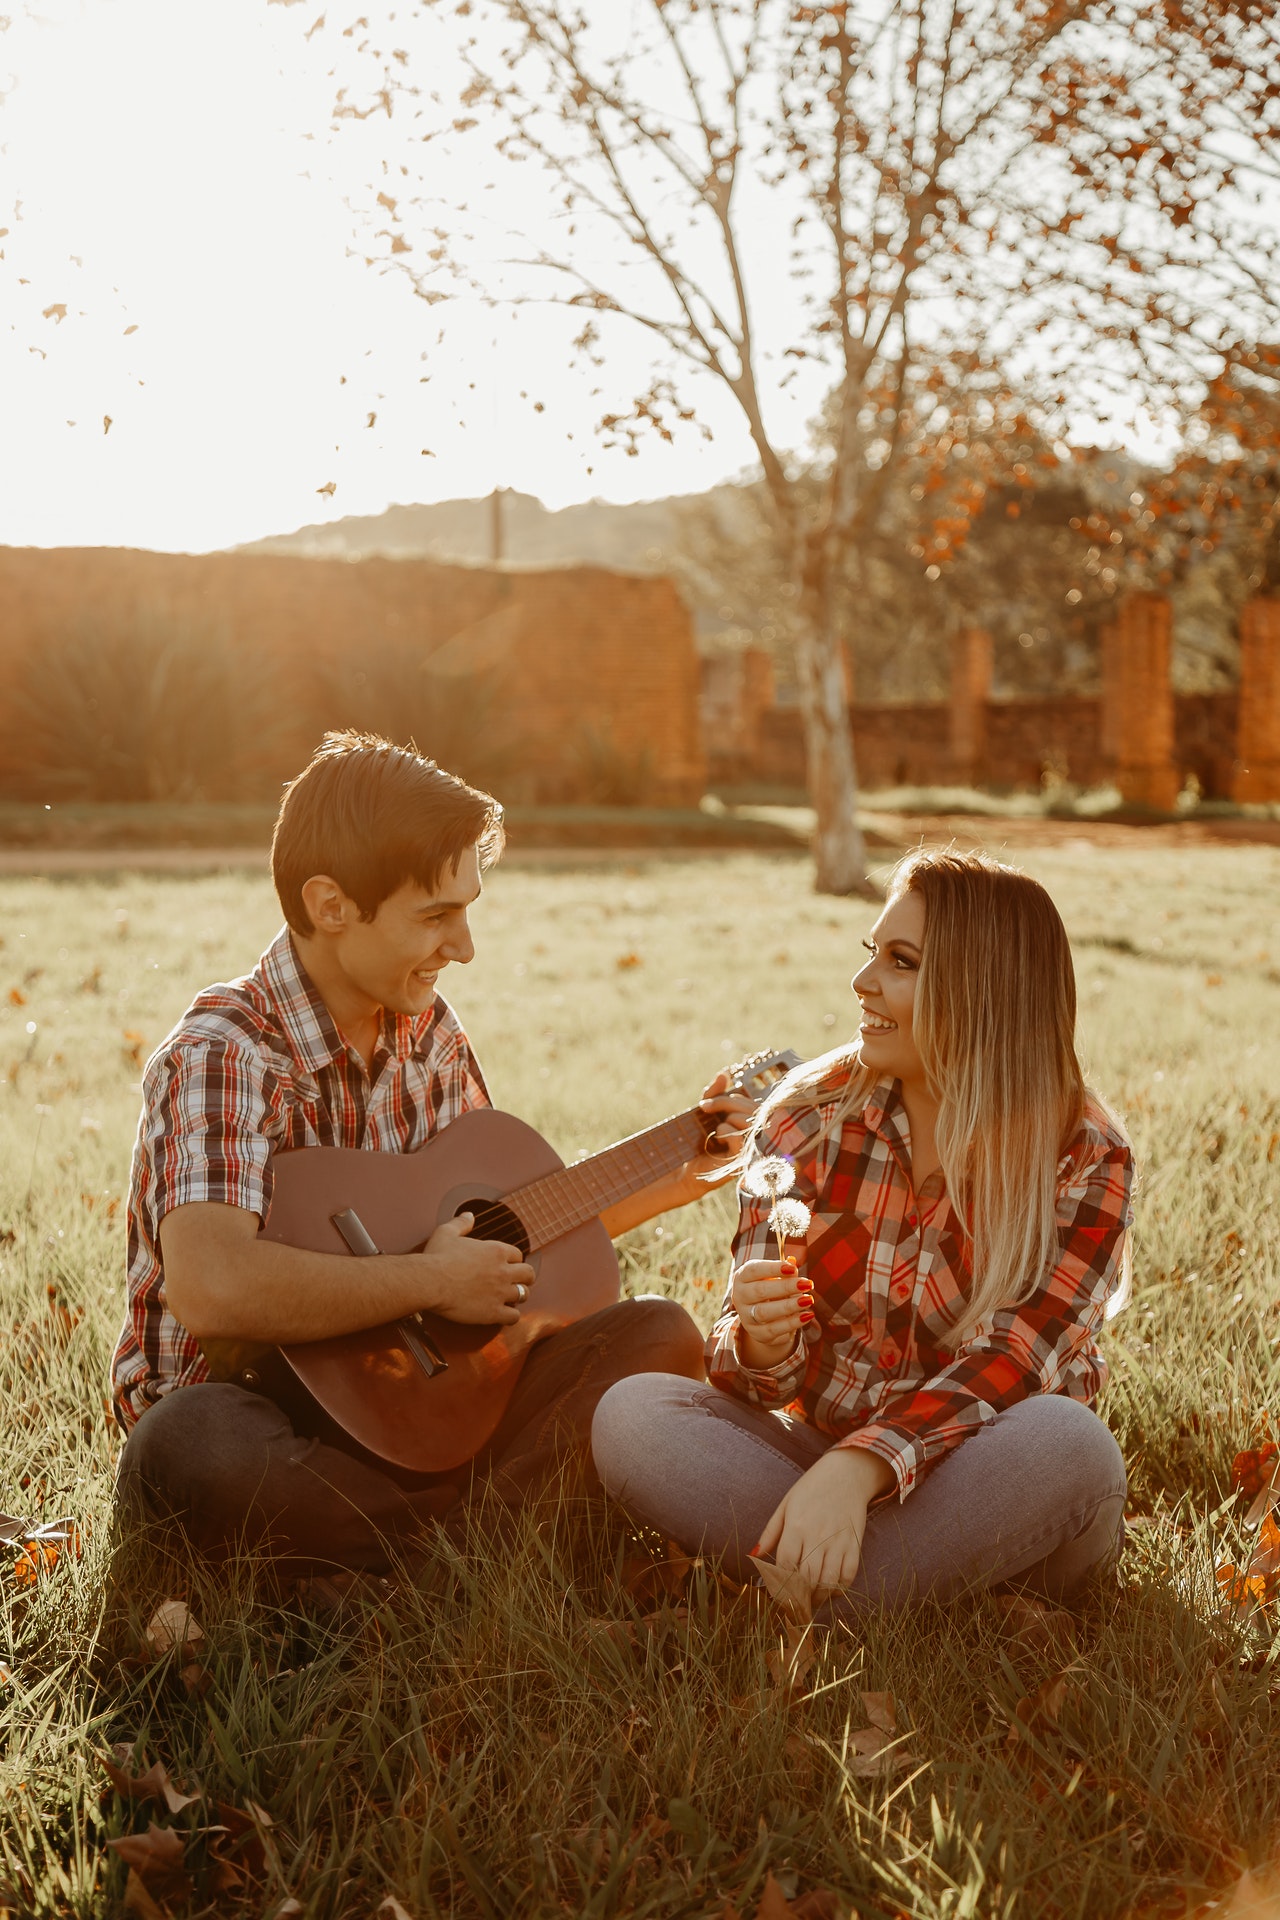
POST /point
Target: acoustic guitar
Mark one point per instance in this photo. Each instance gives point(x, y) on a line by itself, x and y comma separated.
point(424, 1393)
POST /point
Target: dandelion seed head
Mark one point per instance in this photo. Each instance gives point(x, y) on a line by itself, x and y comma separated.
point(790, 1219)
point(769, 1178)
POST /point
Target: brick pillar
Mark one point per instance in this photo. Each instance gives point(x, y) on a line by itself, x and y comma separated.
point(1109, 702)
point(1145, 771)
point(970, 692)
point(756, 695)
point(1257, 768)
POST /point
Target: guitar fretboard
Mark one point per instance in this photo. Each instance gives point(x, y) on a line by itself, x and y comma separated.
point(559, 1202)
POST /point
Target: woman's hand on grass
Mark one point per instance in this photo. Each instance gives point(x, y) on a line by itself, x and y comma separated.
point(772, 1300)
point(815, 1534)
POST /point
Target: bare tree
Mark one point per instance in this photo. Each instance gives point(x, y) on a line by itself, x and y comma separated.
point(1005, 218)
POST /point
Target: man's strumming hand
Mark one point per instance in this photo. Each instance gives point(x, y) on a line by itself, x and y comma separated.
point(474, 1282)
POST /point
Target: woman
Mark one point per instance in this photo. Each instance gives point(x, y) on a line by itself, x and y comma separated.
point(904, 1408)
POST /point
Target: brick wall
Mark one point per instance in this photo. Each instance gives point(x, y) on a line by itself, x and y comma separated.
point(1025, 740)
point(577, 661)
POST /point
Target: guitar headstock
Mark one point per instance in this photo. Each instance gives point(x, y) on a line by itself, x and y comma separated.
point(755, 1075)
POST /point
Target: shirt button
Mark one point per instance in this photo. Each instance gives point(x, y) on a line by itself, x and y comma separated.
point(900, 1289)
point(888, 1354)
point(911, 1221)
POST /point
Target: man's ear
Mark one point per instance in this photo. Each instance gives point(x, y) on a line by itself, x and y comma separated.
point(328, 907)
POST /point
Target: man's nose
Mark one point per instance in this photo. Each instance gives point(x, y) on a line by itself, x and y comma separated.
point(460, 947)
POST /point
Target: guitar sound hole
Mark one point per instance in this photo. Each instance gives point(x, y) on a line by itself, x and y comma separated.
point(494, 1221)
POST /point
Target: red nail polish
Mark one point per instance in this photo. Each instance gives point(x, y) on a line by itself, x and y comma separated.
point(789, 1264)
point(807, 1318)
point(756, 1547)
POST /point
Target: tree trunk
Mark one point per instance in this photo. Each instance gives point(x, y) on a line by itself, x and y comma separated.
point(839, 852)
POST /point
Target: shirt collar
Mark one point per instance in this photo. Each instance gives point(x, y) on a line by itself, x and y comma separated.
point(308, 1025)
point(884, 1112)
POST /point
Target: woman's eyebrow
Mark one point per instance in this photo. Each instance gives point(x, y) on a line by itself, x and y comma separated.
point(909, 944)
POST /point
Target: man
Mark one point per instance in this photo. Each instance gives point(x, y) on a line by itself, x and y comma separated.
point(339, 1038)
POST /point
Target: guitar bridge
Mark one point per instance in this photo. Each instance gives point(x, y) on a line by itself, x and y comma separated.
point(423, 1347)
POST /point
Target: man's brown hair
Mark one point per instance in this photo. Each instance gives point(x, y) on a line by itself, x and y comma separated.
point(374, 816)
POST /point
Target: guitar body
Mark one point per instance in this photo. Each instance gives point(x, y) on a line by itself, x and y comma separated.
point(424, 1393)
point(372, 1383)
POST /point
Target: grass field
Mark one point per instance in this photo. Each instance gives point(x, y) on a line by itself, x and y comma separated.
point(548, 1731)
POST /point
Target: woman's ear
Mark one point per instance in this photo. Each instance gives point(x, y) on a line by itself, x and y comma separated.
point(328, 907)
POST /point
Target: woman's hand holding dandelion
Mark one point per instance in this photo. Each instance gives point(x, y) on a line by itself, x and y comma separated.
point(772, 1299)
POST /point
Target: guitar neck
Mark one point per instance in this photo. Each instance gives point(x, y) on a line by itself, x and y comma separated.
point(559, 1202)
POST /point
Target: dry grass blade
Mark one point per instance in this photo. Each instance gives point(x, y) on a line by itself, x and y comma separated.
point(791, 1663)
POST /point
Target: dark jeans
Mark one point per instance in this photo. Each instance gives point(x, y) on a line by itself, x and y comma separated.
point(229, 1467)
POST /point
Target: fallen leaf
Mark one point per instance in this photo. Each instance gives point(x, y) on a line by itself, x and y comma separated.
point(171, 1626)
point(17, 998)
point(1046, 1629)
point(786, 1588)
point(289, 1909)
point(1259, 1584)
point(626, 961)
point(1040, 1709)
point(138, 1900)
point(392, 1907)
point(648, 1579)
point(158, 1857)
point(154, 1784)
point(1253, 1898)
point(820, 1903)
point(196, 1679)
point(878, 1708)
point(774, 1904)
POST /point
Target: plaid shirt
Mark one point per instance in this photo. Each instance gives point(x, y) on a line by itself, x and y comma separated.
point(251, 1069)
point(877, 1367)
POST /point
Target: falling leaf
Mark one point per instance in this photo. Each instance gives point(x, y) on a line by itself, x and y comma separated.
point(132, 329)
point(330, 487)
point(158, 1857)
point(17, 998)
point(106, 423)
point(171, 1626)
point(626, 961)
point(57, 312)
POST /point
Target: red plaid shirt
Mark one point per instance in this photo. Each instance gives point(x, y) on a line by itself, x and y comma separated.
point(878, 1367)
point(251, 1069)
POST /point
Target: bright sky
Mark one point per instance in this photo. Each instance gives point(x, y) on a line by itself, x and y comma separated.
point(193, 351)
point(158, 183)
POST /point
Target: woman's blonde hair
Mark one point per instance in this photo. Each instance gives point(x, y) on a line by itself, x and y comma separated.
point(994, 1024)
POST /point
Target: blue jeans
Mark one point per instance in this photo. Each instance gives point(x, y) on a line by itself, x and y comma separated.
point(1037, 1496)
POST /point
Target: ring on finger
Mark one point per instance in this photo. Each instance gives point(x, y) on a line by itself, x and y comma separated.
point(522, 1293)
point(755, 1314)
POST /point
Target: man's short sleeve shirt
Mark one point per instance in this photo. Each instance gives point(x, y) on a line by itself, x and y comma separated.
point(254, 1068)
